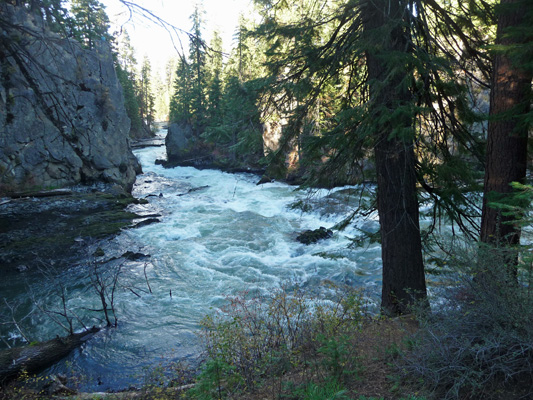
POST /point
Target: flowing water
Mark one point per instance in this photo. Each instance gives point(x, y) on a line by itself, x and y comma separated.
point(219, 234)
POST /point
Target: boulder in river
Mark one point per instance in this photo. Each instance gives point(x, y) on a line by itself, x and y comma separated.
point(178, 141)
point(313, 236)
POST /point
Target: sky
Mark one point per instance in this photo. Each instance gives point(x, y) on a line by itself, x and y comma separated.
point(149, 39)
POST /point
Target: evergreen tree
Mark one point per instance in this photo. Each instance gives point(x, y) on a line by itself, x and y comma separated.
point(235, 128)
point(126, 52)
point(197, 72)
point(145, 96)
point(189, 102)
point(161, 98)
point(510, 104)
point(180, 103)
point(392, 79)
point(125, 67)
point(214, 90)
point(130, 100)
point(390, 104)
point(91, 22)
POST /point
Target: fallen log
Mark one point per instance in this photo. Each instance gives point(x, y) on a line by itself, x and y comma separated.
point(34, 358)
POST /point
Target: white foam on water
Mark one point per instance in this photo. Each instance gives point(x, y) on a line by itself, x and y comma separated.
point(220, 234)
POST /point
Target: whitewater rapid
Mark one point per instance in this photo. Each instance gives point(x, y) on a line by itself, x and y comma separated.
point(219, 234)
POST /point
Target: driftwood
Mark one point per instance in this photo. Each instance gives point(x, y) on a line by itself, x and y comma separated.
point(37, 357)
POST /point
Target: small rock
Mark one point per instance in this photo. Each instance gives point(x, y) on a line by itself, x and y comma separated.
point(22, 268)
point(132, 256)
point(99, 252)
point(145, 222)
point(57, 386)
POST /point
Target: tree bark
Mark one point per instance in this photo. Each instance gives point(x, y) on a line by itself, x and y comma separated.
point(37, 357)
point(507, 139)
point(403, 267)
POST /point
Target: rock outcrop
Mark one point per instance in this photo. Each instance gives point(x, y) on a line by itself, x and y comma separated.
point(62, 115)
point(178, 141)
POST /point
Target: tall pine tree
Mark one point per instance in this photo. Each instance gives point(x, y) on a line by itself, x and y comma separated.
point(91, 23)
point(510, 104)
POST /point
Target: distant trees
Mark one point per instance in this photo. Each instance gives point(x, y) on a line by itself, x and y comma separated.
point(219, 101)
point(125, 66)
point(189, 102)
point(145, 95)
point(180, 103)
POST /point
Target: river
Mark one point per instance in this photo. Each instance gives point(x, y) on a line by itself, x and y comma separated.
point(219, 234)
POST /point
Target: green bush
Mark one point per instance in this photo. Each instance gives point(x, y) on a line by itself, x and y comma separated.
point(256, 338)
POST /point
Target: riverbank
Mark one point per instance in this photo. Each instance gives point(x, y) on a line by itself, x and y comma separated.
point(374, 346)
point(34, 229)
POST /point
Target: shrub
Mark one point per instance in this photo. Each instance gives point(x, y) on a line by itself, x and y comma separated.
point(259, 337)
point(479, 337)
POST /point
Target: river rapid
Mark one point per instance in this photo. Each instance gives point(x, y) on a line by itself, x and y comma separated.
point(219, 234)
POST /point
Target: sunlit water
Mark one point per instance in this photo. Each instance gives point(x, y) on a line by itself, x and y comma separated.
point(219, 234)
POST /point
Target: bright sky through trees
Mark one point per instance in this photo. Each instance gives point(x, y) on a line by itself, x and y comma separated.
point(154, 41)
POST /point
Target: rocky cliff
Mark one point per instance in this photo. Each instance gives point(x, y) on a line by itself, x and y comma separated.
point(62, 116)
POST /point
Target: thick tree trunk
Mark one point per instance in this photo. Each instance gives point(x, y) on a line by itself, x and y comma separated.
point(508, 135)
point(36, 357)
point(403, 268)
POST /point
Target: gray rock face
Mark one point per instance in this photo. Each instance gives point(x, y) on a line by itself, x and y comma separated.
point(62, 115)
point(177, 141)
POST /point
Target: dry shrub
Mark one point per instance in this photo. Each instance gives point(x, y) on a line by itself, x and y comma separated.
point(477, 342)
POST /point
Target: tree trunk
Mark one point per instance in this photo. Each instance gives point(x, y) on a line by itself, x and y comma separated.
point(508, 135)
point(403, 268)
point(36, 357)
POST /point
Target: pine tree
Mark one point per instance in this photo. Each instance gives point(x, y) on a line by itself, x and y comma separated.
point(145, 95)
point(125, 66)
point(197, 71)
point(91, 23)
point(180, 103)
point(390, 105)
point(130, 100)
point(214, 90)
point(392, 79)
point(161, 98)
point(235, 129)
point(510, 104)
